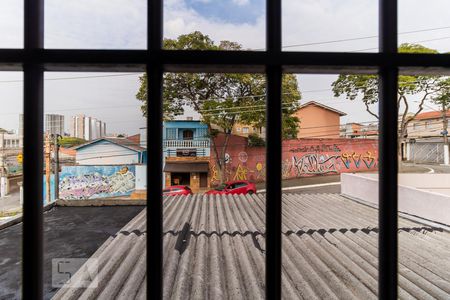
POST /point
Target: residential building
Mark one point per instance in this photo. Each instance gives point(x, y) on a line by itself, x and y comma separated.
point(186, 148)
point(245, 130)
point(77, 126)
point(359, 131)
point(318, 121)
point(9, 140)
point(54, 124)
point(87, 128)
point(110, 151)
point(427, 124)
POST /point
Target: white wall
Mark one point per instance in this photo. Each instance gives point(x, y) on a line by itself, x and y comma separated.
point(105, 153)
point(141, 177)
point(422, 195)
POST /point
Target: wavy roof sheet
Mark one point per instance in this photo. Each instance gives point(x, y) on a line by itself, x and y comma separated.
point(214, 248)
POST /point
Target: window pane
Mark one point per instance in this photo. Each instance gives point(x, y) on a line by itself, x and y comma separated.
point(103, 24)
point(329, 169)
point(207, 232)
point(240, 21)
point(11, 24)
point(11, 177)
point(424, 186)
point(328, 25)
point(95, 121)
point(433, 30)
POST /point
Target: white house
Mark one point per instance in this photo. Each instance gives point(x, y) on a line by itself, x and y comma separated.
point(110, 151)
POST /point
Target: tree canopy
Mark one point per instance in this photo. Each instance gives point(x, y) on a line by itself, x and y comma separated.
point(222, 99)
point(366, 88)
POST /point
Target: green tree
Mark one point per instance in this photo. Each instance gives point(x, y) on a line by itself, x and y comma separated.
point(68, 141)
point(442, 98)
point(222, 99)
point(365, 87)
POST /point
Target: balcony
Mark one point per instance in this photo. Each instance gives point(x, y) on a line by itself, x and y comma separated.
point(186, 144)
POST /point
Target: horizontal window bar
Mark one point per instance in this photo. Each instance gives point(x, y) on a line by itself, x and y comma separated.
point(212, 61)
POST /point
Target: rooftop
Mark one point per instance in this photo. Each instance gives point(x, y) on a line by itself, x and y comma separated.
point(124, 142)
point(69, 232)
point(214, 248)
point(323, 106)
point(429, 115)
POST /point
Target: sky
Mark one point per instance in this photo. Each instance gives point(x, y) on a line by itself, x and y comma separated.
point(308, 25)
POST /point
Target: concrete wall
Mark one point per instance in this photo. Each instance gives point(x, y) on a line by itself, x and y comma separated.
point(141, 177)
point(106, 153)
point(301, 158)
point(89, 182)
point(422, 195)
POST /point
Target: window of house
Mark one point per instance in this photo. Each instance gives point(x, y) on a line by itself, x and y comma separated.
point(238, 129)
point(188, 134)
point(171, 133)
point(244, 129)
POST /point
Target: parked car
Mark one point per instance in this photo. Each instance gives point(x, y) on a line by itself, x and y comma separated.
point(177, 190)
point(234, 187)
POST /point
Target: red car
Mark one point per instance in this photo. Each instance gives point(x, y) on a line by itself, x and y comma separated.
point(177, 190)
point(234, 187)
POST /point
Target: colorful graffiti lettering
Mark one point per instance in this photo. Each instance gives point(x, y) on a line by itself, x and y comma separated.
point(241, 173)
point(316, 164)
point(369, 160)
point(260, 171)
point(96, 182)
point(349, 157)
point(214, 174)
point(317, 148)
point(286, 168)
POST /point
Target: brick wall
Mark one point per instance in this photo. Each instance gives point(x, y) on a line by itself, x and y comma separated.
point(301, 158)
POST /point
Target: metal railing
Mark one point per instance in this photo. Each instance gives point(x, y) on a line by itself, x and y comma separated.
point(196, 152)
point(186, 143)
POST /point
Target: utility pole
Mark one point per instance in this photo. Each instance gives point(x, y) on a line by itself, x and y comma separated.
point(48, 163)
point(56, 171)
point(445, 133)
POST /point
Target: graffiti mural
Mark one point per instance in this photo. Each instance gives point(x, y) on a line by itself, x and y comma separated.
point(241, 173)
point(317, 148)
point(369, 159)
point(89, 182)
point(286, 168)
point(260, 171)
point(315, 163)
point(301, 158)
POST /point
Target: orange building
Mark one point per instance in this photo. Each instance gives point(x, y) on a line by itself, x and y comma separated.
point(318, 121)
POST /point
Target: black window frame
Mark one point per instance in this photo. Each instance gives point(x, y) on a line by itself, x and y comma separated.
point(33, 60)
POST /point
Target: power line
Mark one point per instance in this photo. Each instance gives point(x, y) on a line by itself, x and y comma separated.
point(359, 38)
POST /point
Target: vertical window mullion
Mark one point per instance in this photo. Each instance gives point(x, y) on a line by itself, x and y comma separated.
point(155, 151)
point(33, 93)
point(273, 154)
point(388, 198)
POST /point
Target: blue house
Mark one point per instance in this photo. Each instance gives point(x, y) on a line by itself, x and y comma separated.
point(186, 147)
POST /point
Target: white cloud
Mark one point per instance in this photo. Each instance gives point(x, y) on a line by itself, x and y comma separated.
point(180, 19)
point(241, 2)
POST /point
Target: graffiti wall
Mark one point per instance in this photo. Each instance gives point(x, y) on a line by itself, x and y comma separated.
point(301, 158)
point(90, 182)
